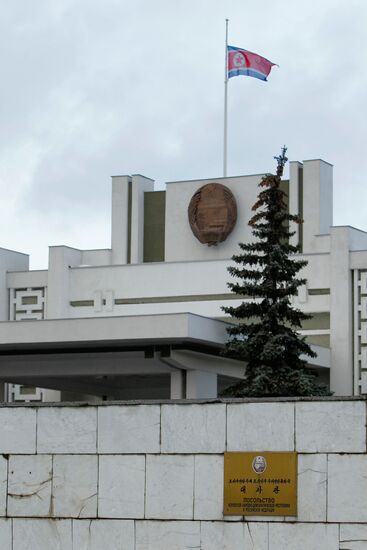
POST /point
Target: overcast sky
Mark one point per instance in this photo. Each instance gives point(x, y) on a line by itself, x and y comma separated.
point(91, 89)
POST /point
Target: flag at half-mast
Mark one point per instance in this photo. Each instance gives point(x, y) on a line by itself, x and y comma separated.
point(243, 62)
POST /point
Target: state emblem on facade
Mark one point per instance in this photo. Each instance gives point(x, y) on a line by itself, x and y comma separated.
point(212, 213)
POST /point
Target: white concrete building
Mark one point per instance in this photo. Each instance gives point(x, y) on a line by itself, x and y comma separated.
point(143, 319)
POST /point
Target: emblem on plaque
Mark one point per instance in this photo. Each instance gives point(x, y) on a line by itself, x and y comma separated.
point(259, 464)
point(212, 213)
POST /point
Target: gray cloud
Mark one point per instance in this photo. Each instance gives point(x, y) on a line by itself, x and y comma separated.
point(90, 90)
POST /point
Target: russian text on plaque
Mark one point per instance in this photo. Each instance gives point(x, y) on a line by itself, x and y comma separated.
point(260, 484)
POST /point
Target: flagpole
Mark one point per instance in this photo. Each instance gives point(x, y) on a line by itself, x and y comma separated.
point(225, 105)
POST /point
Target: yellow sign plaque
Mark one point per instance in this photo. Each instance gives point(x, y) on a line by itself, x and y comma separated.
point(260, 484)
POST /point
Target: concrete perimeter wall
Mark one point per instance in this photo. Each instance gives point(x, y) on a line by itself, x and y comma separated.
point(150, 476)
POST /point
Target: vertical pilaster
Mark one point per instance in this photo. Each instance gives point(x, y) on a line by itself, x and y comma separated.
point(121, 219)
point(9, 261)
point(341, 313)
point(317, 202)
point(61, 258)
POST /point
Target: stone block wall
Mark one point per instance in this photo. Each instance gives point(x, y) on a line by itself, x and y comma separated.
point(145, 476)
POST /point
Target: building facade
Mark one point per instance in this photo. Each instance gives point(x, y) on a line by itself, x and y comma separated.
point(150, 306)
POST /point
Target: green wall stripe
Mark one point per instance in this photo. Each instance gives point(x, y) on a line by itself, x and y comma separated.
point(317, 321)
point(162, 299)
point(300, 205)
point(129, 220)
point(322, 340)
point(154, 226)
point(170, 299)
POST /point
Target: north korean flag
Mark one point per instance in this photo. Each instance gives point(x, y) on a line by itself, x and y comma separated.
point(243, 62)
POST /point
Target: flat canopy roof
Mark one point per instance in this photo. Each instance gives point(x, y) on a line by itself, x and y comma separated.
point(132, 332)
point(136, 332)
point(124, 357)
point(105, 355)
point(122, 334)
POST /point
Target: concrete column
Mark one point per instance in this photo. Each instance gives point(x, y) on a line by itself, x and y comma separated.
point(140, 185)
point(317, 202)
point(61, 258)
point(9, 261)
point(200, 384)
point(341, 314)
point(120, 220)
point(178, 384)
point(50, 396)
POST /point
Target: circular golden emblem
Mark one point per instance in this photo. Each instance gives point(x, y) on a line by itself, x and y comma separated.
point(212, 213)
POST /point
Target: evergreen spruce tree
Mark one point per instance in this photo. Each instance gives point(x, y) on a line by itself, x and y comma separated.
point(265, 331)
